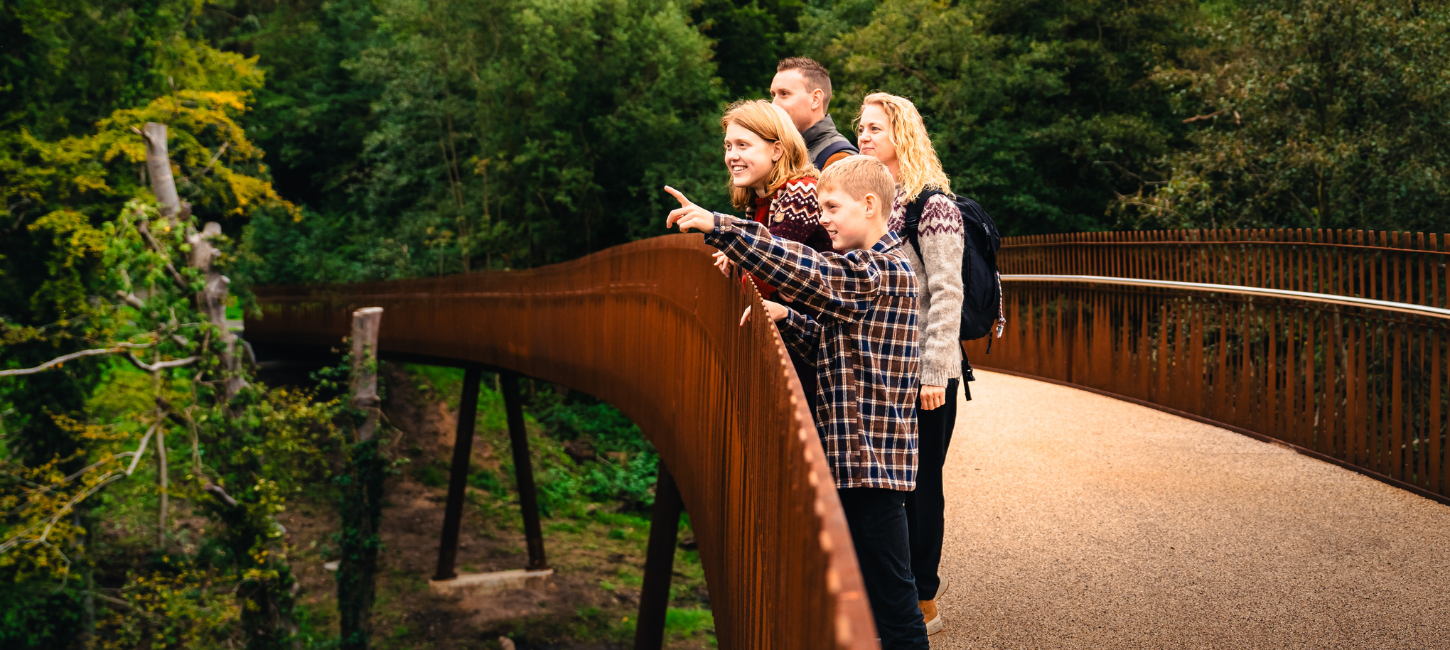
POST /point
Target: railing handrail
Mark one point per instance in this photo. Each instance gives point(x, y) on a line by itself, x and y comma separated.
point(1326, 298)
point(1390, 266)
point(1017, 242)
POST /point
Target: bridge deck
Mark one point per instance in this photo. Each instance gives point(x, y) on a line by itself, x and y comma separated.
point(1080, 521)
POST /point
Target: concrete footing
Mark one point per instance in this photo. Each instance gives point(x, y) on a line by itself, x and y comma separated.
point(470, 584)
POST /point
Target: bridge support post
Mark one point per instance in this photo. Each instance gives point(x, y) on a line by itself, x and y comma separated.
point(458, 476)
point(659, 563)
point(523, 470)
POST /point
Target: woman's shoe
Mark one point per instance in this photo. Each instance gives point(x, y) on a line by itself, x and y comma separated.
point(930, 614)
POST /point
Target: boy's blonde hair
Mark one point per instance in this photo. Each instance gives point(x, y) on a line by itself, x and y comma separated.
point(858, 176)
point(916, 159)
point(772, 125)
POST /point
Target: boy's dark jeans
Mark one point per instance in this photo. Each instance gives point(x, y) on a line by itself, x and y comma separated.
point(805, 369)
point(877, 518)
point(926, 507)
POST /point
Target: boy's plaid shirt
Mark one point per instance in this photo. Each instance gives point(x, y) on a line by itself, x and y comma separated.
point(864, 343)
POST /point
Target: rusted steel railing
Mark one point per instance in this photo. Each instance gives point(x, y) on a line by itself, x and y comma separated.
point(1391, 266)
point(651, 328)
point(1357, 382)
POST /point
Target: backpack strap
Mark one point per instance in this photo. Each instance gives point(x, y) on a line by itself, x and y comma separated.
point(831, 150)
point(911, 229)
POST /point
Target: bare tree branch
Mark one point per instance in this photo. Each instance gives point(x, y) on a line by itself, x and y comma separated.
point(206, 169)
point(106, 479)
point(1210, 116)
point(117, 349)
point(220, 494)
point(130, 299)
point(174, 363)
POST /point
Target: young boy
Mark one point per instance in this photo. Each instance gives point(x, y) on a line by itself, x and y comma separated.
point(865, 348)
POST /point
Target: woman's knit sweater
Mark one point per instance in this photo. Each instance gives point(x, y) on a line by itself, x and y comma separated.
point(939, 273)
point(793, 213)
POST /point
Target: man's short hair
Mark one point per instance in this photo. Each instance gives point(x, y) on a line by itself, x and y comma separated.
point(858, 176)
point(815, 74)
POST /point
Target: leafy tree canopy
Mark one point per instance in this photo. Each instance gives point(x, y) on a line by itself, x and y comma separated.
point(1308, 114)
point(1035, 108)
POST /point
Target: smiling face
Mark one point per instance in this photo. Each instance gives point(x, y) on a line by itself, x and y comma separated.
point(789, 91)
point(873, 135)
point(749, 157)
point(852, 223)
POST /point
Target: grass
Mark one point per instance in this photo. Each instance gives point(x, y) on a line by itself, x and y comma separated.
point(690, 623)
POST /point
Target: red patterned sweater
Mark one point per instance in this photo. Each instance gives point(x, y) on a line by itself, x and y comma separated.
point(792, 213)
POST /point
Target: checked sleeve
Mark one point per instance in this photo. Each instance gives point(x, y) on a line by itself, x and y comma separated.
point(801, 333)
point(838, 286)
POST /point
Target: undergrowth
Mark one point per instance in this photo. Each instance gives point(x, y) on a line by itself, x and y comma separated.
point(595, 476)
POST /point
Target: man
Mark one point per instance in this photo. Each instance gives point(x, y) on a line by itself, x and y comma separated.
point(803, 88)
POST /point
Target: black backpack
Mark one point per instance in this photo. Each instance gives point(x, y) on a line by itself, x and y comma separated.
point(981, 285)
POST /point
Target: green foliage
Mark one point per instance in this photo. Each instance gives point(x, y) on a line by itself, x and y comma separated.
point(38, 616)
point(1035, 108)
point(1311, 114)
point(510, 133)
point(69, 160)
point(486, 480)
point(71, 63)
point(361, 483)
point(622, 470)
point(750, 38)
point(687, 623)
point(171, 609)
point(611, 436)
point(434, 474)
point(238, 461)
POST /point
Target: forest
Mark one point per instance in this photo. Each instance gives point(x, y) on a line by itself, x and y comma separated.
point(146, 468)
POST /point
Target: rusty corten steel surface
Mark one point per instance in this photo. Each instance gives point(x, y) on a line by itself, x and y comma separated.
point(651, 327)
point(1362, 386)
point(1393, 266)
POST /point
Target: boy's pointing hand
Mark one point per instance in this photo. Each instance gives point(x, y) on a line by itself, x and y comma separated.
point(689, 215)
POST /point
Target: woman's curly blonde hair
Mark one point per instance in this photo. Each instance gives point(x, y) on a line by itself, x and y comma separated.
point(772, 125)
point(916, 160)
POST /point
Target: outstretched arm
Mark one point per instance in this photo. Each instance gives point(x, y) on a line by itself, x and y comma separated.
point(839, 286)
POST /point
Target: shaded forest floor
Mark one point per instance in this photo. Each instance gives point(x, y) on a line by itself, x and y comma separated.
point(596, 548)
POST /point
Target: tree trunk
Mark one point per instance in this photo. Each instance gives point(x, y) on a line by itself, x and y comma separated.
point(158, 165)
point(365, 324)
point(362, 493)
point(212, 301)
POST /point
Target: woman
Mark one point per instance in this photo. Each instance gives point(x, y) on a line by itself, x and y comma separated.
point(771, 177)
point(891, 130)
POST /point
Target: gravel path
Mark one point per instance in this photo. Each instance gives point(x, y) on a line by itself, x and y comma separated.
point(1080, 521)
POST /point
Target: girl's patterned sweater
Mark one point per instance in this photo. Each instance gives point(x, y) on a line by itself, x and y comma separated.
point(792, 213)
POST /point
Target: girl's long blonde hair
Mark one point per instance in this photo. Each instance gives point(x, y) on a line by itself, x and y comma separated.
point(915, 158)
point(770, 123)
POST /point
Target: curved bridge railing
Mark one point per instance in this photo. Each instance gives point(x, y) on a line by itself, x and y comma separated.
point(651, 328)
point(1335, 343)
